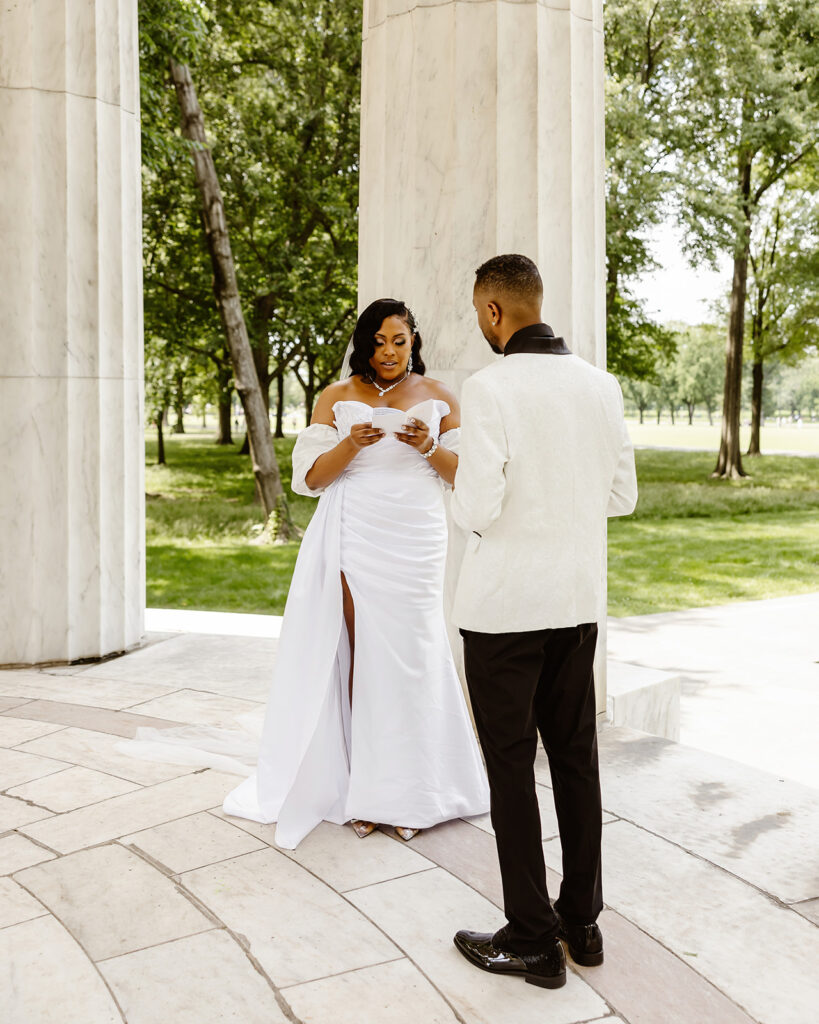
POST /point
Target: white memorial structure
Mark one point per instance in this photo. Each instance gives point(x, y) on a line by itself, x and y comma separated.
point(482, 132)
point(72, 525)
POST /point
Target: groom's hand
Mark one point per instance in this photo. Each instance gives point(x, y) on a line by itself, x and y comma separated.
point(415, 434)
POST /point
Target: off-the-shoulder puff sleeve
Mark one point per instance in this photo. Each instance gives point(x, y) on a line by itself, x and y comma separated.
point(451, 440)
point(312, 442)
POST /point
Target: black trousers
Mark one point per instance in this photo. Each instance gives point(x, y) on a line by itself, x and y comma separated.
point(521, 684)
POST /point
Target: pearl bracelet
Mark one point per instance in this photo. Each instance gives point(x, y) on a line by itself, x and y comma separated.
point(428, 454)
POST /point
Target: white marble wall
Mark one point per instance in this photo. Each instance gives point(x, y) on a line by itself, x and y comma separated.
point(482, 132)
point(71, 470)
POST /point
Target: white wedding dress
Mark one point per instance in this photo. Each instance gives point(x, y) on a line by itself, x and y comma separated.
point(407, 754)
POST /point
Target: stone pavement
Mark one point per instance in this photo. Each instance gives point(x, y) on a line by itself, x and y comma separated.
point(125, 894)
point(749, 674)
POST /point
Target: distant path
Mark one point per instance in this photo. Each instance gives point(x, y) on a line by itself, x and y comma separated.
point(750, 678)
point(713, 451)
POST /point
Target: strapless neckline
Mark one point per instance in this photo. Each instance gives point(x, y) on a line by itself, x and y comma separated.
point(412, 408)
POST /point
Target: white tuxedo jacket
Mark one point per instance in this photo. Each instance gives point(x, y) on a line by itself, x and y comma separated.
point(545, 458)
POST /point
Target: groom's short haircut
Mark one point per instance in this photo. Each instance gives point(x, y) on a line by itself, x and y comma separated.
point(512, 275)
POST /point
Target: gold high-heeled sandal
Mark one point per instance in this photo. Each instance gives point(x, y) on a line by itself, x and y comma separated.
point(363, 828)
point(406, 833)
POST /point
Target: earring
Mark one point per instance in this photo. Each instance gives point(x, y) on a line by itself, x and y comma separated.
point(409, 364)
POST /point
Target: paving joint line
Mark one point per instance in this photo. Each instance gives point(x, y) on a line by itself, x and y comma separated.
point(74, 938)
point(75, 764)
point(30, 803)
point(60, 728)
point(383, 881)
point(776, 900)
point(244, 945)
point(43, 846)
point(340, 974)
point(157, 945)
point(14, 924)
point(177, 875)
point(469, 885)
point(677, 956)
point(378, 927)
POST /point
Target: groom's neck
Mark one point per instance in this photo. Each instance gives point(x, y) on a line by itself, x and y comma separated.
point(511, 325)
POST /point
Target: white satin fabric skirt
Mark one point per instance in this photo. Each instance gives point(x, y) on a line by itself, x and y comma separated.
point(405, 753)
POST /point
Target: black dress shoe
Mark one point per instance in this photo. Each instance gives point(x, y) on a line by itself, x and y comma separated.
point(584, 942)
point(546, 969)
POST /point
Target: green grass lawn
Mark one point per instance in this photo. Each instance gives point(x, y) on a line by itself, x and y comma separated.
point(785, 438)
point(201, 522)
point(693, 541)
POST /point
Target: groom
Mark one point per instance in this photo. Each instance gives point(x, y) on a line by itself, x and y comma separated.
point(545, 458)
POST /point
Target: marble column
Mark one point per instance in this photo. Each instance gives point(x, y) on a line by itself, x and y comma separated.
point(482, 132)
point(72, 563)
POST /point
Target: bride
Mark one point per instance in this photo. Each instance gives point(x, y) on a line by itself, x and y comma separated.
point(366, 719)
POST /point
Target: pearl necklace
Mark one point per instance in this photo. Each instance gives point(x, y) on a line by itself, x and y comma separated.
point(383, 391)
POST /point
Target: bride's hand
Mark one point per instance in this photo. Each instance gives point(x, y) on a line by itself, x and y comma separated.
point(416, 435)
point(363, 435)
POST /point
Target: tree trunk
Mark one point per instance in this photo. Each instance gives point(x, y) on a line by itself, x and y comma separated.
point(224, 403)
point(729, 462)
point(179, 403)
point(691, 408)
point(756, 408)
point(659, 413)
point(225, 435)
point(642, 410)
point(226, 290)
point(160, 438)
point(671, 410)
point(310, 389)
point(279, 403)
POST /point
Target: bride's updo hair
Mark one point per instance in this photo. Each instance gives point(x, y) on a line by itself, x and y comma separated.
point(364, 335)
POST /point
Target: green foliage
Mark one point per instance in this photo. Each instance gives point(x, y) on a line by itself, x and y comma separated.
point(279, 87)
point(784, 284)
point(748, 99)
point(642, 40)
point(697, 95)
point(699, 366)
point(795, 389)
point(166, 27)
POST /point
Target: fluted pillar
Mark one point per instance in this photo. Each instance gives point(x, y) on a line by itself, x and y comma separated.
point(71, 465)
point(482, 132)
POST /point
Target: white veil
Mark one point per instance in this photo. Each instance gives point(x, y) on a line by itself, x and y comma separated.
point(344, 373)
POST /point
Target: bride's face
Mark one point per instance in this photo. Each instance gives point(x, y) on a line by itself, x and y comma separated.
point(393, 346)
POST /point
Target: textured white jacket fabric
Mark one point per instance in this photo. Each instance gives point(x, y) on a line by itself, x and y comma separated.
point(545, 458)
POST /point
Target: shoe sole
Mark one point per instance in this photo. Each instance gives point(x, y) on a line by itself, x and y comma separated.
point(531, 979)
